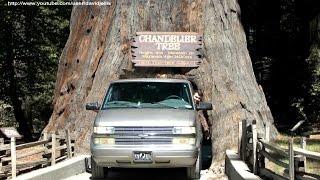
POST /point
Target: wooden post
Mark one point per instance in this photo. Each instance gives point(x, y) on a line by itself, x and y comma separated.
point(267, 135)
point(244, 140)
point(291, 159)
point(254, 146)
point(13, 158)
point(303, 145)
point(53, 149)
point(267, 139)
point(45, 136)
point(239, 137)
point(68, 141)
point(299, 164)
point(262, 160)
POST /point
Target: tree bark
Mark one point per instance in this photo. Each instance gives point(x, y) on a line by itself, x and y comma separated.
point(98, 51)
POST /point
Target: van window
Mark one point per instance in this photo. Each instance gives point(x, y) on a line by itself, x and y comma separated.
point(148, 95)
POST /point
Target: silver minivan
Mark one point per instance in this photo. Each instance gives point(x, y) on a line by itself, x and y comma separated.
point(147, 123)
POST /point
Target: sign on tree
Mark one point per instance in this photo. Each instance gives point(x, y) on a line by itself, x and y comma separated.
point(166, 49)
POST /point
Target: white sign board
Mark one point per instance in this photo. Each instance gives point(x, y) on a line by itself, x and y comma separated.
point(10, 132)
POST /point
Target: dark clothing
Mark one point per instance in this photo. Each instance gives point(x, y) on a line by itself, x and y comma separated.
point(205, 126)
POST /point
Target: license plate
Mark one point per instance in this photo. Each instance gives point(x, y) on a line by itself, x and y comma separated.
point(142, 157)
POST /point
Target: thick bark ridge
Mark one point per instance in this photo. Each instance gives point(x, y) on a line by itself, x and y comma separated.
point(98, 51)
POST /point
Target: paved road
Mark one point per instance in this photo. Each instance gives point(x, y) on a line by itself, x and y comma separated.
point(141, 174)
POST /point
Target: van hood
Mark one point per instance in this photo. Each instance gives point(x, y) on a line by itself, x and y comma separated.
point(145, 117)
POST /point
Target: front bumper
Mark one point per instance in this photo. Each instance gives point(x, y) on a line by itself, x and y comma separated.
point(163, 156)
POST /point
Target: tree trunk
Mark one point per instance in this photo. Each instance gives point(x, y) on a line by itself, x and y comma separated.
point(13, 90)
point(97, 52)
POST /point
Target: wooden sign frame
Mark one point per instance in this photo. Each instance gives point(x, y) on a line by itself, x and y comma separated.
point(166, 49)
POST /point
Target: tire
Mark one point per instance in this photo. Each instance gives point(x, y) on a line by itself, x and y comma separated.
point(96, 171)
point(193, 173)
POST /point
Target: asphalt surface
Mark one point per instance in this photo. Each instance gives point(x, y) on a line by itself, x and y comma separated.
point(141, 174)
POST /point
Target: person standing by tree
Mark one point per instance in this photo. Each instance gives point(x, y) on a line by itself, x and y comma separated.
point(202, 117)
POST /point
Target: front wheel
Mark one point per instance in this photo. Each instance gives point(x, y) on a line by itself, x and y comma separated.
point(193, 173)
point(96, 171)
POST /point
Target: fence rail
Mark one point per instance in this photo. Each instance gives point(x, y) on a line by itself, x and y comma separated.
point(50, 149)
point(256, 150)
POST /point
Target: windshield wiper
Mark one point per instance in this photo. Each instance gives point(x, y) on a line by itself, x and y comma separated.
point(125, 103)
point(165, 105)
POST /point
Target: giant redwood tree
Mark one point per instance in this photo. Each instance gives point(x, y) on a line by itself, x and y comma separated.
point(98, 51)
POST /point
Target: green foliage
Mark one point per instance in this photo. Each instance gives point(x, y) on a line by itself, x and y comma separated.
point(312, 104)
point(37, 37)
point(284, 47)
point(6, 115)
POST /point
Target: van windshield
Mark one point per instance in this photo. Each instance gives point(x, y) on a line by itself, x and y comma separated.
point(148, 95)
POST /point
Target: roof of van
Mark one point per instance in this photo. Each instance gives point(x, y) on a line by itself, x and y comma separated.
point(152, 80)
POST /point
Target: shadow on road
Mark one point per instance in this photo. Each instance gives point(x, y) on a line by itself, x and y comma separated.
point(146, 174)
point(206, 154)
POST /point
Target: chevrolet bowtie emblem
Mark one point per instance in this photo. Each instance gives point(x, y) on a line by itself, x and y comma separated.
point(142, 136)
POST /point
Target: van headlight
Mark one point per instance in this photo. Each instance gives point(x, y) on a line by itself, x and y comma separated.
point(103, 140)
point(184, 141)
point(184, 130)
point(103, 130)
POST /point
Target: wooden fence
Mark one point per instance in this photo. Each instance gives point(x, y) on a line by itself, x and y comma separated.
point(50, 149)
point(256, 150)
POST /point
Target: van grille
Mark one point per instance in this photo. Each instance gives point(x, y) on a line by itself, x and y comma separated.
point(140, 141)
point(144, 130)
point(132, 135)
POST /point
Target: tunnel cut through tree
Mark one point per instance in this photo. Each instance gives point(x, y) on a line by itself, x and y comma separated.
point(98, 51)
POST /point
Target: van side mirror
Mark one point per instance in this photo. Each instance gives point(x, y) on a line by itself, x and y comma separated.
point(204, 106)
point(93, 106)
